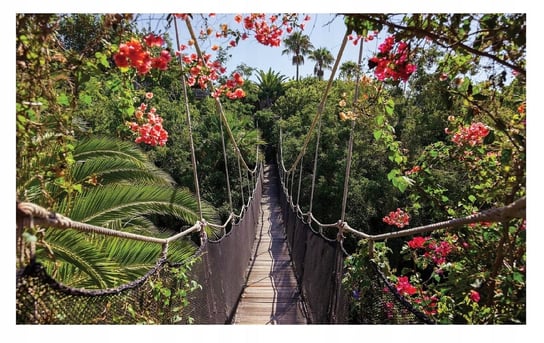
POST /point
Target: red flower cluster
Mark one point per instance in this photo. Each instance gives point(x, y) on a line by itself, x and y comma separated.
point(399, 218)
point(428, 304)
point(417, 242)
point(434, 251)
point(404, 287)
point(438, 252)
point(267, 30)
point(134, 54)
point(150, 132)
point(370, 37)
point(391, 62)
point(472, 135)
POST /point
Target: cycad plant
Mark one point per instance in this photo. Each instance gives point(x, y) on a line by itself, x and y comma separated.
point(121, 190)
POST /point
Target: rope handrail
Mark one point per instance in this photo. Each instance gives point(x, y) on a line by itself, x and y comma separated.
point(45, 217)
point(513, 210)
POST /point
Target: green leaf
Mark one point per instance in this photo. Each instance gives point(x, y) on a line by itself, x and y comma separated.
point(85, 99)
point(380, 120)
point(472, 198)
point(62, 99)
point(377, 134)
point(390, 106)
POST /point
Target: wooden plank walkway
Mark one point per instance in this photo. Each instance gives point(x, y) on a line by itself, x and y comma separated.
point(271, 295)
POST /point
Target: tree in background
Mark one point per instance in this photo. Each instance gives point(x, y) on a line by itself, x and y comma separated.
point(349, 69)
point(298, 45)
point(323, 60)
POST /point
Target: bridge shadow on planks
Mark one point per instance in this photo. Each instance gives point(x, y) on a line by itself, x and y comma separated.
point(271, 295)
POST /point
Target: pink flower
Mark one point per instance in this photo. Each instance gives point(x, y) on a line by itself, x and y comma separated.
point(398, 218)
point(474, 296)
point(404, 287)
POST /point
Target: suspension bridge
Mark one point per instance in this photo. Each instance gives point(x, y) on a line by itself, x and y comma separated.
point(273, 266)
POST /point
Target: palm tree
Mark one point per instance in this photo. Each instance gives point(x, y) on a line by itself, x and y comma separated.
point(349, 70)
point(323, 59)
point(299, 45)
point(270, 87)
point(122, 190)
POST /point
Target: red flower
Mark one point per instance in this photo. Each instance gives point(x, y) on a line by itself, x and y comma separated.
point(417, 242)
point(474, 296)
point(404, 287)
point(152, 40)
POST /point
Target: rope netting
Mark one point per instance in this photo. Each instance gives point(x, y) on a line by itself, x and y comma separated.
point(215, 275)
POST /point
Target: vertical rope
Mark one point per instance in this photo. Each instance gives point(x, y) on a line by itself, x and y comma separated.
point(315, 166)
point(350, 145)
point(226, 164)
point(292, 183)
point(299, 181)
point(189, 126)
point(241, 182)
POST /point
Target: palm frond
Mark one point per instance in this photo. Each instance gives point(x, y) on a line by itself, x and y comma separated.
point(106, 170)
point(74, 248)
point(107, 147)
point(102, 205)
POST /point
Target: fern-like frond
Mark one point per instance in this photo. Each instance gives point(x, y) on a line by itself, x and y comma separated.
point(72, 247)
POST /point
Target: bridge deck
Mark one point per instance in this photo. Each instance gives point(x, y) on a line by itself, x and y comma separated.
point(271, 295)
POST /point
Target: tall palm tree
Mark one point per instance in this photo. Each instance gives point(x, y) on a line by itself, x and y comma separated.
point(270, 87)
point(349, 70)
point(122, 190)
point(323, 60)
point(298, 45)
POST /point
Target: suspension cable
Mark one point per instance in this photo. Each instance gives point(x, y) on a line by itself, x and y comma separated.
point(321, 106)
point(216, 99)
point(188, 118)
point(351, 132)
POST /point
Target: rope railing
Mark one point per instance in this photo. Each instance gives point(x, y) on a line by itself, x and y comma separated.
point(514, 210)
point(42, 216)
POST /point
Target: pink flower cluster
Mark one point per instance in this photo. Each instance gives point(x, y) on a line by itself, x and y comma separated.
point(392, 62)
point(404, 287)
point(471, 135)
point(202, 72)
point(434, 251)
point(150, 131)
point(134, 54)
point(399, 218)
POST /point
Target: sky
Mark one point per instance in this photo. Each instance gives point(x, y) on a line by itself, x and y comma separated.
point(262, 58)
